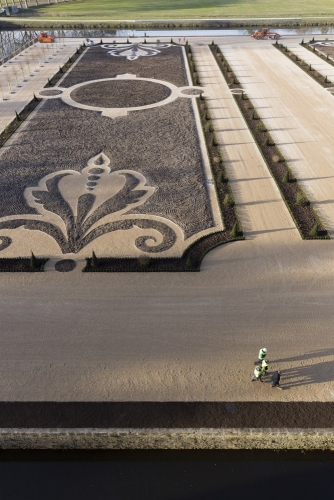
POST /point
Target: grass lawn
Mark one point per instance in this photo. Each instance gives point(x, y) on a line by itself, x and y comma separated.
point(183, 9)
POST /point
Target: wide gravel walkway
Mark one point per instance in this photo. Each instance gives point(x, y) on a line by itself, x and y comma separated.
point(297, 111)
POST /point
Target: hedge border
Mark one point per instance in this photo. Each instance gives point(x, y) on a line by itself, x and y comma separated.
point(22, 265)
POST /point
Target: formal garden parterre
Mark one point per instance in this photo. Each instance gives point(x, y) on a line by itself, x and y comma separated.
point(152, 163)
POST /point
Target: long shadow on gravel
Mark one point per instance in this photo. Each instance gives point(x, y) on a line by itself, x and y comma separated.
point(308, 355)
point(306, 375)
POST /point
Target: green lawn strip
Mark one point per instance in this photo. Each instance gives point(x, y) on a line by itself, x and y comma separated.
point(299, 206)
point(187, 9)
point(193, 256)
point(318, 77)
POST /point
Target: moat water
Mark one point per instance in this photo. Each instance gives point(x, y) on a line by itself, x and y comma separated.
point(165, 475)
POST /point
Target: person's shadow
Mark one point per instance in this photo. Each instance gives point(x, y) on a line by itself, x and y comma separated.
point(311, 371)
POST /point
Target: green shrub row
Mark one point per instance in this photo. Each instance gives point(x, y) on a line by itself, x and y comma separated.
point(22, 264)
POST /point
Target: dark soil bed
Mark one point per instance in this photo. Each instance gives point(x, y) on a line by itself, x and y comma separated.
point(169, 415)
point(307, 221)
point(121, 94)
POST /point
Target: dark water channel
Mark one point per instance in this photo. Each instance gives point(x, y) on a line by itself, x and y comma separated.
point(160, 475)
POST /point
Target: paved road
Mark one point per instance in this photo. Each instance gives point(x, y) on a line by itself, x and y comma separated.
point(185, 336)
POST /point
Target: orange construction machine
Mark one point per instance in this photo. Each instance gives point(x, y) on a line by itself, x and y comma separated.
point(45, 38)
point(265, 33)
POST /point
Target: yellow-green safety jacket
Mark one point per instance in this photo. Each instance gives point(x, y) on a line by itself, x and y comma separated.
point(262, 354)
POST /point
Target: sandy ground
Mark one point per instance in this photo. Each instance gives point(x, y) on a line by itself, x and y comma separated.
point(195, 336)
point(299, 114)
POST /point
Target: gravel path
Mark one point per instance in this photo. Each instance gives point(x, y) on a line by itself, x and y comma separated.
point(299, 114)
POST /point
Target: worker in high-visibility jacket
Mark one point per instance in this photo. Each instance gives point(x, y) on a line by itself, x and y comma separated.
point(257, 374)
point(264, 367)
point(262, 355)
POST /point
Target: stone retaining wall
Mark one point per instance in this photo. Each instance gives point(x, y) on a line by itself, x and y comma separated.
point(173, 439)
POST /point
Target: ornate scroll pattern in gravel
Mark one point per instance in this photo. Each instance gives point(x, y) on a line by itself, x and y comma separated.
point(97, 64)
point(85, 206)
point(5, 241)
point(43, 187)
point(134, 50)
point(160, 143)
point(120, 94)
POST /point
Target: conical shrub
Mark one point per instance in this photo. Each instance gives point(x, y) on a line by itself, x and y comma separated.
point(301, 199)
point(235, 230)
point(189, 262)
point(33, 262)
point(94, 261)
point(314, 231)
point(228, 200)
point(286, 177)
point(144, 261)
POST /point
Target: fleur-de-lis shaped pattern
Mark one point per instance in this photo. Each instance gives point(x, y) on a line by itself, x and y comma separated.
point(75, 208)
point(133, 51)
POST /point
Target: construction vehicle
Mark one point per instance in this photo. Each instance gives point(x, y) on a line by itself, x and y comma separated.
point(265, 34)
point(45, 38)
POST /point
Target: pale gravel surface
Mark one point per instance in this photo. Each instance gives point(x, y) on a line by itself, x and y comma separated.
point(183, 336)
point(299, 114)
